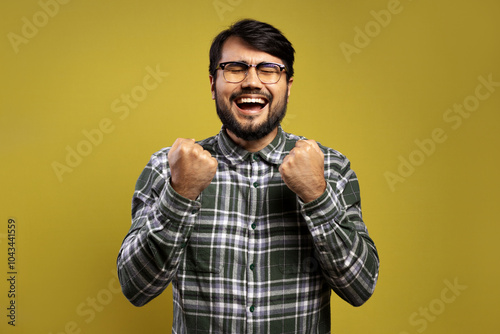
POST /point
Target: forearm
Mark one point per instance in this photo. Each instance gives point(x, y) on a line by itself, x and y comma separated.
point(149, 258)
point(347, 255)
point(140, 276)
point(161, 225)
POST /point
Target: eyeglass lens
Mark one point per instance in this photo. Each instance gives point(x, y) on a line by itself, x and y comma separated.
point(237, 72)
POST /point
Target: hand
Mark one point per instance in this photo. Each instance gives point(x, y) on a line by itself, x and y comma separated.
point(192, 168)
point(303, 170)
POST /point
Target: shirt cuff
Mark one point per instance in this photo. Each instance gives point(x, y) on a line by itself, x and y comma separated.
point(176, 207)
point(323, 210)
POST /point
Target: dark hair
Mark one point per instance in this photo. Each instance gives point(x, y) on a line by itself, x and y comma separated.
point(260, 35)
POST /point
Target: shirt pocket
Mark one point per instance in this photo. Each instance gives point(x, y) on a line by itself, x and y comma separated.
point(204, 252)
point(298, 255)
point(202, 259)
point(292, 264)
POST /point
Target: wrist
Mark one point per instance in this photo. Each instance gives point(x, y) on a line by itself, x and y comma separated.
point(314, 194)
point(185, 191)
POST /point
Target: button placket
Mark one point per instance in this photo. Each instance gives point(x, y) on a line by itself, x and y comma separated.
point(252, 237)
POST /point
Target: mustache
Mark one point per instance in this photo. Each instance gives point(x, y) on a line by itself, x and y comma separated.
point(236, 95)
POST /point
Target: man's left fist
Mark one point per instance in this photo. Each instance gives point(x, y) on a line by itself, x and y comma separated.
point(303, 170)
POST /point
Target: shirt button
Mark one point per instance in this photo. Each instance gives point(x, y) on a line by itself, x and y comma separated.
point(252, 266)
point(252, 308)
point(254, 226)
point(256, 157)
point(256, 184)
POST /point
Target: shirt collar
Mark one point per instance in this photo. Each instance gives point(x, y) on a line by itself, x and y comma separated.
point(273, 153)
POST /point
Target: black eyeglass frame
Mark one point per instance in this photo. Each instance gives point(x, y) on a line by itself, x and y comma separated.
point(248, 66)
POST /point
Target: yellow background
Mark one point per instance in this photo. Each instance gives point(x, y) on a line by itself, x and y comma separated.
point(373, 105)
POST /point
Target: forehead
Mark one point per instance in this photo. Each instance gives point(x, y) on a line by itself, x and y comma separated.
point(236, 49)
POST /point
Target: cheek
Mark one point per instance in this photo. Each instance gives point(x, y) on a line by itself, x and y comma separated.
point(222, 100)
point(224, 92)
point(280, 96)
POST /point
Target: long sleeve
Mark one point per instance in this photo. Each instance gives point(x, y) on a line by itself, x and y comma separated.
point(248, 256)
point(347, 255)
point(162, 222)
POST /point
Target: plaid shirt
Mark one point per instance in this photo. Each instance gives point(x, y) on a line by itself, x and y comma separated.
point(248, 256)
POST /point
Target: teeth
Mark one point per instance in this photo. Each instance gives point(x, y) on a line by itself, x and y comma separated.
point(251, 100)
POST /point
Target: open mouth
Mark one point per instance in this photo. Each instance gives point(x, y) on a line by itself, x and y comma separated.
point(251, 104)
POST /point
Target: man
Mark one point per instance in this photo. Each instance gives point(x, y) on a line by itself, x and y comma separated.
point(253, 227)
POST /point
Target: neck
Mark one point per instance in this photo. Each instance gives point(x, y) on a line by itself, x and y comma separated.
point(253, 145)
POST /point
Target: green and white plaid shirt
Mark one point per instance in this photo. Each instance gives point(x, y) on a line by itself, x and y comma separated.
point(248, 256)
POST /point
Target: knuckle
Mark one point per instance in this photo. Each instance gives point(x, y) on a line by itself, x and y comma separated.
point(206, 154)
point(300, 151)
point(183, 150)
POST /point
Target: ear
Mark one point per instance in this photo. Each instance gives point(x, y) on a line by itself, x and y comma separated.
point(289, 87)
point(212, 86)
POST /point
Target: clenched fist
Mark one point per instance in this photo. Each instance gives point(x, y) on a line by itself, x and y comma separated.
point(303, 170)
point(192, 168)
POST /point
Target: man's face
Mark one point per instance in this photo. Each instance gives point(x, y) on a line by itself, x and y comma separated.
point(254, 120)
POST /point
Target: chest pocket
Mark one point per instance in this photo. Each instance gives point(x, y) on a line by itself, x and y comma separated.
point(204, 252)
point(298, 256)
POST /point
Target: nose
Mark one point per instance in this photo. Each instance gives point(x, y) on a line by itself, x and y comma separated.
point(252, 79)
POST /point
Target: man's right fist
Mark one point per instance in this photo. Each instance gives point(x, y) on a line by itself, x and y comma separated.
point(192, 168)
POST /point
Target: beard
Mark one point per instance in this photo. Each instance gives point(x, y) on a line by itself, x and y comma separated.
point(252, 131)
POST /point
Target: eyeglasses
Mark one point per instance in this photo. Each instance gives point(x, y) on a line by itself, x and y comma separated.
point(235, 71)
